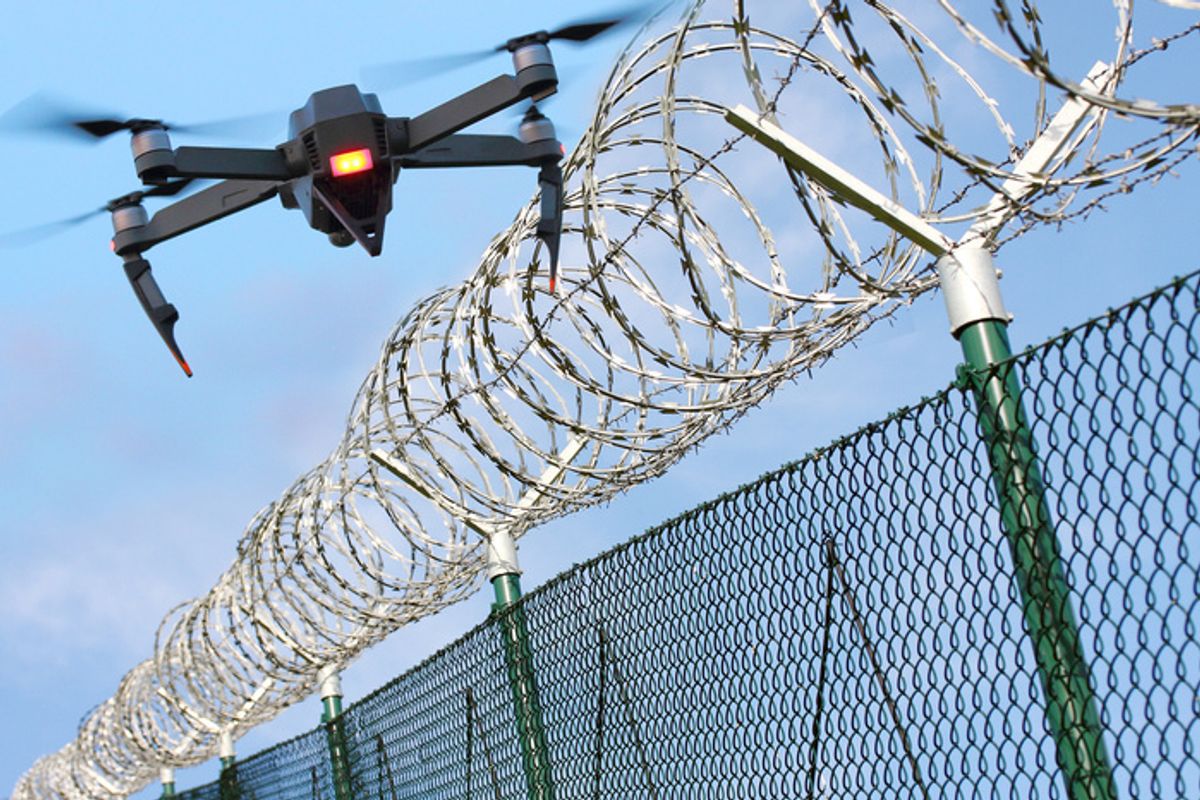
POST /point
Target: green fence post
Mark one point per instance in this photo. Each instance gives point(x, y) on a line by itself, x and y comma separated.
point(167, 777)
point(335, 731)
point(980, 323)
point(504, 574)
point(227, 783)
point(978, 320)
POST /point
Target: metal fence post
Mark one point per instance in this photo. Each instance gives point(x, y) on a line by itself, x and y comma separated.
point(167, 777)
point(228, 781)
point(978, 320)
point(504, 573)
point(335, 731)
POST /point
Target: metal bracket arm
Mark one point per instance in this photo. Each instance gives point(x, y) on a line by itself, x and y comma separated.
point(478, 150)
point(192, 212)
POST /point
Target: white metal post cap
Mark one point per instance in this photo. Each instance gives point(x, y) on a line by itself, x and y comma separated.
point(331, 682)
point(970, 287)
point(166, 775)
point(501, 555)
point(226, 747)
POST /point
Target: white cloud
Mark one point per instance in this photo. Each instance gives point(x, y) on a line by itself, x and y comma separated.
point(55, 609)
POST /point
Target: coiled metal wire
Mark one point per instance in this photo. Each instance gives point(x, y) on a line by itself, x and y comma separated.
point(687, 294)
point(849, 625)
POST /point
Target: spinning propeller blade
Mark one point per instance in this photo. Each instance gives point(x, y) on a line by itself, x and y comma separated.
point(584, 30)
point(399, 73)
point(37, 233)
point(261, 125)
point(169, 189)
point(41, 114)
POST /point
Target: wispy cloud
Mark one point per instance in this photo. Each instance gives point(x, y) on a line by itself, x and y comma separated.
point(53, 610)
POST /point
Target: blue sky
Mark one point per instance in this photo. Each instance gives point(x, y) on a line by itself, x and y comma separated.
point(125, 486)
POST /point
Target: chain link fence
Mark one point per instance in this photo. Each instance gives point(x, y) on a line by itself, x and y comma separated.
point(848, 626)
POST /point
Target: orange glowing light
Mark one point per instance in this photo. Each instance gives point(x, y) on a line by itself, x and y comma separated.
point(350, 162)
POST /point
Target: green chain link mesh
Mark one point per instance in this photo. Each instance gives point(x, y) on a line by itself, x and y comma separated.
point(848, 626)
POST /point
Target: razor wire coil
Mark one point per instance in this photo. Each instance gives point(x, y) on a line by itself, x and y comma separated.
point(483, 387)
point(869, 640)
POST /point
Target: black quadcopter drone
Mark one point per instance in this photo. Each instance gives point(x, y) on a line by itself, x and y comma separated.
point(339, 164)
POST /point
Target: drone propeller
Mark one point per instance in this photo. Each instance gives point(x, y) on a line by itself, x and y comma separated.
point(398, 73)
point(37, 233)
point(28, 236)
point(584, 30)
point(40, 114)
point(169, 189)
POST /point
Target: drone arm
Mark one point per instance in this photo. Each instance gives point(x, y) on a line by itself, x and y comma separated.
point(476, 150)
point(470, 107)
point(191, 212)
point(158, 164)
point(231, 162)
point(496, 95)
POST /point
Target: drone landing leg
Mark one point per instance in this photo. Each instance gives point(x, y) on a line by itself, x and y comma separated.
point(486, 150)
point(549, 228)
point(162, 314)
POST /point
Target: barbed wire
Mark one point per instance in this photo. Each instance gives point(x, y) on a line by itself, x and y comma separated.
point(688, 294)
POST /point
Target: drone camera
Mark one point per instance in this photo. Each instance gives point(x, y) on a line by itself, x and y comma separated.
point(341, 238)
point(347, 191)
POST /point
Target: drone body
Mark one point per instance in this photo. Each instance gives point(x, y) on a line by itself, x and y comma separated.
point(347, 194)
point(338, 167)
point(340, 162)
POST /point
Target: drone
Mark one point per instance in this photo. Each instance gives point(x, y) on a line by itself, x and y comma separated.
point(339, 164)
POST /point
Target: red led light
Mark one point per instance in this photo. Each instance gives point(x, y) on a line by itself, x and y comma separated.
point(351, 162)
